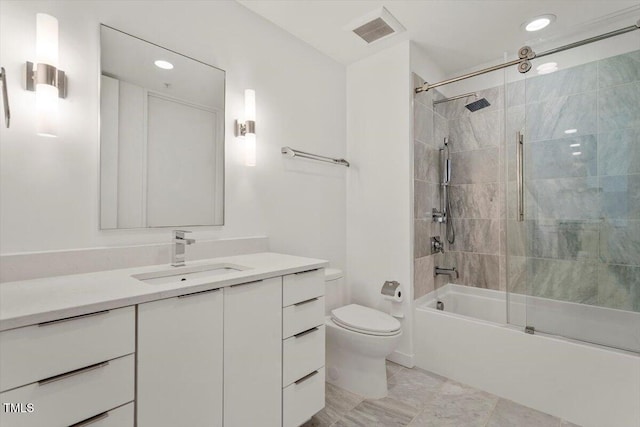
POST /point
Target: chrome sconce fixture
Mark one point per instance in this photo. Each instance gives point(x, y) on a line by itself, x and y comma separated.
point(45, 78)
point(247, 129)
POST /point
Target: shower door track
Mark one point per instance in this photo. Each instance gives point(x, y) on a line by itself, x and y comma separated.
point(526, 54)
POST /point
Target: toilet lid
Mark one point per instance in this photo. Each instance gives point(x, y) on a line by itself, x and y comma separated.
point(366, 320)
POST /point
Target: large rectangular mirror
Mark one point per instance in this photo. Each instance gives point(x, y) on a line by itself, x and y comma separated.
point(161, 136)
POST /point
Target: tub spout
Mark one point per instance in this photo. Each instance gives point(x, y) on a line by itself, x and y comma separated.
point(446, 271)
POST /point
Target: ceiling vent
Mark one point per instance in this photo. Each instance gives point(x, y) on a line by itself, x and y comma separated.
point(376, 25)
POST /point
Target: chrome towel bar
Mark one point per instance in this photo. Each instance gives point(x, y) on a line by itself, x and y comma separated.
point(296, 153)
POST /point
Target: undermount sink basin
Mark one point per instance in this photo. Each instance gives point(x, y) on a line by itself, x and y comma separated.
point(186, 275)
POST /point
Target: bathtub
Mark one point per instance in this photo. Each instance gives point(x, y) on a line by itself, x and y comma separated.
point(471, 342)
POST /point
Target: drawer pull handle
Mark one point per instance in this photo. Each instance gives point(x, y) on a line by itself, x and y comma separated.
point(307, 271)
point(91, 420)
point(73, 373)
point(307, 332)
point(193, 294)
point(246, 283)
point(306, 301)
point(67, 319)
point(306, 377)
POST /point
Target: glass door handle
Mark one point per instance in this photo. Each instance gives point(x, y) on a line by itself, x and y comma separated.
point(520, 174)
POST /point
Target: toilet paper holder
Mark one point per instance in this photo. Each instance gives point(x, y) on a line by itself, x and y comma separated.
point(391, 291)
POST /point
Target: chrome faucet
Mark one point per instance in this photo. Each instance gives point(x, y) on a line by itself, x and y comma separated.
point(446, 271)
point(179, 247)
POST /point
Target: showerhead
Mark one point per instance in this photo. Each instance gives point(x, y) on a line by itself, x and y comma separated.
point(477, 105)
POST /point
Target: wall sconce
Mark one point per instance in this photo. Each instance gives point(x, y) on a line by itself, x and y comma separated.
point(44, 78)
point(248, 128)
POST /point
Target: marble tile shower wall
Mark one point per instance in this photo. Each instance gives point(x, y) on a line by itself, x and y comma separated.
point(580, 240)
point(430, 130)
point(476, 192)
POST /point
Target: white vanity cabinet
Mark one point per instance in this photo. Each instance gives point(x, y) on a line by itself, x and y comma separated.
point(179, 369)
point(253, 354)
point(240, 355)
point(70, 370)
point(303, 346)
point(234, 356)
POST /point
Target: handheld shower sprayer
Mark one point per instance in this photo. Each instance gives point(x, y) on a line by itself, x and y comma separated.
point(447, 162)
point(450, 232)
point(444, 214)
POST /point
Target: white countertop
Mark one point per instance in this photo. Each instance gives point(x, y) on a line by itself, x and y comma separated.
point(29, 302)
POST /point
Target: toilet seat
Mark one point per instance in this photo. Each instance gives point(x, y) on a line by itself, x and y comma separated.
point(365, 320)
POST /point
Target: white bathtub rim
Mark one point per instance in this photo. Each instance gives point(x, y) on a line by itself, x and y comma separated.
point(497, 295)
point(422, 304)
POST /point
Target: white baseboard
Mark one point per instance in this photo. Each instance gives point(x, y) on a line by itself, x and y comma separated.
point(403, 359)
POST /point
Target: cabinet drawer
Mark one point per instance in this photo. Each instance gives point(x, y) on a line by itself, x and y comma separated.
point(70, 399)
point(302, 316)
point(36, 352)
point(302, 399)
point(302, 354)
point(302, 286)
point(118, 417)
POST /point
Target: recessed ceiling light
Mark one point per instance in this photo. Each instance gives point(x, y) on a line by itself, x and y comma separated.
point(547, 67)
point(165, 65)
point(539, 22)
point(569, 131)
point(574, 145)
point(576, 153)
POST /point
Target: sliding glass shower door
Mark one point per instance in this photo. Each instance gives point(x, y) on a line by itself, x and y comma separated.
point(573, 194)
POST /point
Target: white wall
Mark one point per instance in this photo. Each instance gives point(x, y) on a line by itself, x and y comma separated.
point(49, 187)
point(425, 67)
point(379, 148)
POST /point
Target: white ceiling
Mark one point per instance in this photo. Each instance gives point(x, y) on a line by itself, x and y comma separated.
point(456, 34)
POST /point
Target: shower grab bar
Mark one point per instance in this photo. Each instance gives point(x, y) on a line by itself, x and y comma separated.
point(297, 153)
point(5, 97)
point(520, 174)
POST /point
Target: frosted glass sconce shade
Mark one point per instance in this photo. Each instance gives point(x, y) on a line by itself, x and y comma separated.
point(250, 149)
point(46, 110)
point(250, 105)
point(46, 39)
point(248, 128)
point(44, 78)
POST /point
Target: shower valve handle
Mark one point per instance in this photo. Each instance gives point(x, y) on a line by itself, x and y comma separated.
point(438, 216)
point(436, 245)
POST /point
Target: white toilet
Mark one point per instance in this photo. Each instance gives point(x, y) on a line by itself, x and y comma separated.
point(358, 341)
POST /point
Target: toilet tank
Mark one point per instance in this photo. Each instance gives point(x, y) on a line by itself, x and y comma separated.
point(335, 290)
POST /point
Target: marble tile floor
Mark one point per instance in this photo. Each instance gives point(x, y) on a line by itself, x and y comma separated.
point(418, 398)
